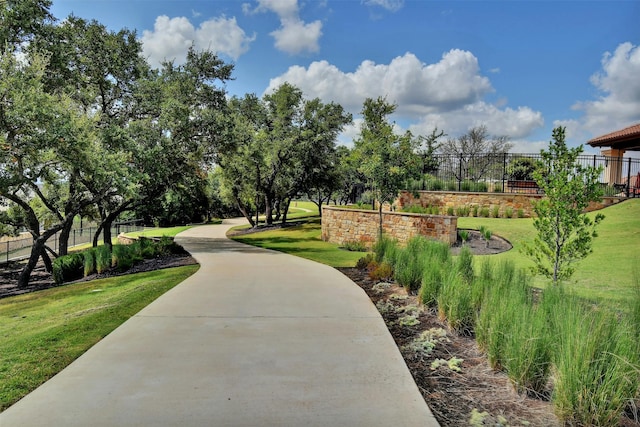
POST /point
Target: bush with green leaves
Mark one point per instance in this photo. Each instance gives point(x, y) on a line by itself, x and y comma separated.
point(363, 263)
point(67, 268)
point(355, 246)
point(508, 212)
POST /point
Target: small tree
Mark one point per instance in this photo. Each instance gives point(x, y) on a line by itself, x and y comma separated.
point(385, 159)
point(565, 232)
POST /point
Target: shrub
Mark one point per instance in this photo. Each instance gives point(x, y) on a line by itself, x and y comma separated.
point(481, 187)
point(67, 268)
point(527, 348)
point(504, 290)
point(520, 213)
point(452, 186)
point(385, 249)
point(474, 211)
point(595, 360)
point(382, 271)
point(450, 211)
point(467, 185)
point(484, 212)
point(495, 212)
point(464, 264)
point(363, 263)
point(409, 264)
point(521, 168)
point(89, 261)
point(432, 278)
point(455, 302)
point(435, 185)
point(103, 258)
point(464, 236)
point(508, 212)
point(463, 211)
point(355, 246)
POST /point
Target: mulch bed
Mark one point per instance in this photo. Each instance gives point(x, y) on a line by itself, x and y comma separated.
point(453, 396)
point(41, 279)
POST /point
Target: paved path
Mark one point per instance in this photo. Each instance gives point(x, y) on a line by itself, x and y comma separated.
point(254, 338)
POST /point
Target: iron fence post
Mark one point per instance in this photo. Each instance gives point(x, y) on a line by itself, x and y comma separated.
point(629, 179)
point(460, 173)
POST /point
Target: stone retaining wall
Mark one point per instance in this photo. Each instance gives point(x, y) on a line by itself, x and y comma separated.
point(517, 202)
point(341, 225)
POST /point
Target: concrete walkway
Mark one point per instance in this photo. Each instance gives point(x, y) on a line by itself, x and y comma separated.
point(254, 338)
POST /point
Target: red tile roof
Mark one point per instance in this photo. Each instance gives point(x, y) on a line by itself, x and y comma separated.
point(625, 134)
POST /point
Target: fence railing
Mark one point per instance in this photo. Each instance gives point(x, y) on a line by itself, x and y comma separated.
point(12, 250)
point(620, 176)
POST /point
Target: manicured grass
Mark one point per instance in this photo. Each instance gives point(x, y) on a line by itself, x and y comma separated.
point(303, 241)
point(606, 274)
point(42, 332)
point(160, 231)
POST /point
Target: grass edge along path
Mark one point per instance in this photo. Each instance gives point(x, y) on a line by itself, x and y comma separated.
point(301, 240)
point(43, 332)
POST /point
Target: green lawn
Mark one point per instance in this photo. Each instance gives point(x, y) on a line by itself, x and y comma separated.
point(160, 231)
point(606, 274)
point(303, 241)
point(42, 332)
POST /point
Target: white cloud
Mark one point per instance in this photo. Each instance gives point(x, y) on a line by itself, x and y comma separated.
point(417, 88)
point(618, 81)
point(513, 123)
point(390, 5)
point(447, 94)
point(171, 38)
point(294, 35)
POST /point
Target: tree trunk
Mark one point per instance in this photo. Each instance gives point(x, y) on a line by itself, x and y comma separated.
point(243, 209)
point(97, 235)
point(380, 218)
point(287, 202)
point(63, 239)
point(268, 210)
point(46, 259)
point(106, 232)
point(37, 250)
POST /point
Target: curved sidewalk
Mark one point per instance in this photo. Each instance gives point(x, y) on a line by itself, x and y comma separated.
point(254, 338)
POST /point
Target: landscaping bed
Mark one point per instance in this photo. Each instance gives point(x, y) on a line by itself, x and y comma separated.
point(41, 279)
point(454, 396)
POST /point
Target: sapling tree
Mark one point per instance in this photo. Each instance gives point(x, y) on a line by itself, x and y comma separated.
point(565, 231)
point(386, 159)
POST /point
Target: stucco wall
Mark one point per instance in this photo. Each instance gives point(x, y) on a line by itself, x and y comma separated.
point(340, 225)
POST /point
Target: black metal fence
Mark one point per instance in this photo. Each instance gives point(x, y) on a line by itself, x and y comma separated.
point(16, 249)
point(510, 172)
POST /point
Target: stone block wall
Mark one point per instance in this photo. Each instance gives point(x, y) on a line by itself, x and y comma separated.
point(504, 201)
point(341, 225)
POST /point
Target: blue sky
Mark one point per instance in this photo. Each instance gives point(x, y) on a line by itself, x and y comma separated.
point(519, 67)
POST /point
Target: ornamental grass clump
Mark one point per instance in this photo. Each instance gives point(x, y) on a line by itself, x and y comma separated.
point(67, 268)
point(410, 263)
point(455, 303)
point(596, 362)
point(89, 261)
point(527, 348)
point(437, 261)
point(103, 258)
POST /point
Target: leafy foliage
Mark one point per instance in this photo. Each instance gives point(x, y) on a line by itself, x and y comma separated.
point(565, 232)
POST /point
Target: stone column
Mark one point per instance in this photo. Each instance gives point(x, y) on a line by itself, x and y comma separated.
point(613, 165)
